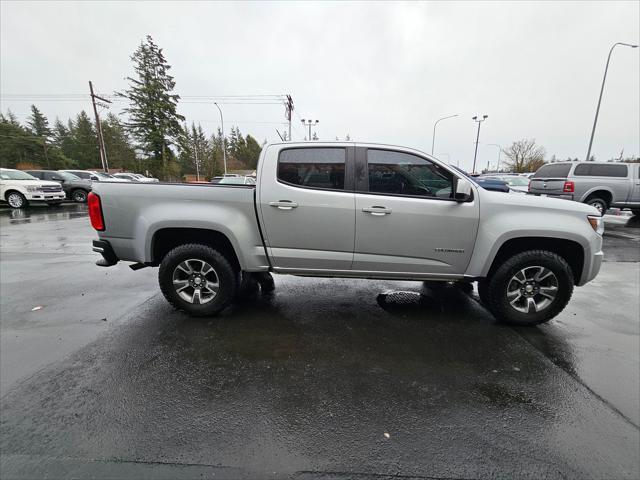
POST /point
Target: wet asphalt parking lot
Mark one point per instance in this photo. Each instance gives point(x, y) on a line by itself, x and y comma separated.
point(323, 379)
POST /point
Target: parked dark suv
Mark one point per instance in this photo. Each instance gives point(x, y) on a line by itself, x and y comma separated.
point(76, 188)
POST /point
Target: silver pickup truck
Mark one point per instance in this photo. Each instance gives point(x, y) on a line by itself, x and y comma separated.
point(351, 210)
point(599, 184)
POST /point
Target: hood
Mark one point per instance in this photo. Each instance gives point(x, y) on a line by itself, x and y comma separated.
point(525, 202)
point(37, 183)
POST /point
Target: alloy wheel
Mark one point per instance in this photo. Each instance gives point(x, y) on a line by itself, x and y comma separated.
point(15, 200)
point(532, 289)
point(195, 281)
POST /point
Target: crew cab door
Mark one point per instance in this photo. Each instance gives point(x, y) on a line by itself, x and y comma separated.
point(306, 202)
point(406, 218)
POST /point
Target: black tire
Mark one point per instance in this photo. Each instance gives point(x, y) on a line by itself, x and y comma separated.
point(493, 291)
point(227, 279)
point(16, 199)
point(636, 211)
point(599, 203)
point(79, 195)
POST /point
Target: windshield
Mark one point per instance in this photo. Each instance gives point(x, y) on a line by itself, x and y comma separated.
point(102, 175)
point(516, 181)
point(233, 180)
point(68, 176)
point(15, 175)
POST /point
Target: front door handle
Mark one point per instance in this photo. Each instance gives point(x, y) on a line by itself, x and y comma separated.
point(377, 210)
point(284, 204)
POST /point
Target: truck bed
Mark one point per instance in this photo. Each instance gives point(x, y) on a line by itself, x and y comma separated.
point(135, 212)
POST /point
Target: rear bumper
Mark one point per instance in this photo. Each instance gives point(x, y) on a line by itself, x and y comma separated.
point(104, 248)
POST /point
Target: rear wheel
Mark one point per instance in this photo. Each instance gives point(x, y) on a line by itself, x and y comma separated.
point(16, 200)
point(529, 288)
point(636, 211)
point(197, 279)
point(79, 196)
point(599, 203)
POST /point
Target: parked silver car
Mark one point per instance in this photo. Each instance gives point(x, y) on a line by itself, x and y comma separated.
point(599, 184)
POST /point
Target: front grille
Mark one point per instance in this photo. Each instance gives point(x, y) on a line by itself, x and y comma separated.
point(51, 189)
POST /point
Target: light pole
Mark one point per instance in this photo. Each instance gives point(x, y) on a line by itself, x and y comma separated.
point(310, 123)
point(433, 138)
point(478, 121)
point(224, 143)
point(499, 152)
point(604, 78)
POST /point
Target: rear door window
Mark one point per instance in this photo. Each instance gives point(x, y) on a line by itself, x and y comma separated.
point(557, 170)
point(322, 168)
point(600, 170)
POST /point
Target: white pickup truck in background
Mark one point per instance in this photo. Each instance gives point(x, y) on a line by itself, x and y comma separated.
point(351, 210)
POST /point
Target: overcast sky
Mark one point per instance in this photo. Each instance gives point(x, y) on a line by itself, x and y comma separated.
point(380, 72)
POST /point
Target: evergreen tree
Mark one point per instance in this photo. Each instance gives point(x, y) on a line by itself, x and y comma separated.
point(153, 118)
point(120, 152)
point(38, 126)
point(84, 143)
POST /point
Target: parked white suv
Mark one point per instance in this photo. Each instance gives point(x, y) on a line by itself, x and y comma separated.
point(18, 188)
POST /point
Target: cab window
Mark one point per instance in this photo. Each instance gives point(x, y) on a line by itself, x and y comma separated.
point(399, 173)
point(313, 167)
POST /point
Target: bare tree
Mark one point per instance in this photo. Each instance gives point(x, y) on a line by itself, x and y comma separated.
point(524, 156)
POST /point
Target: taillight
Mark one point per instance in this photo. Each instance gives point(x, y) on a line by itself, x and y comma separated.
point(568, 187)
point(95, 211)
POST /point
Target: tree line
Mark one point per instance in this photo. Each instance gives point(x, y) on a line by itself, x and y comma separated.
point(153, 137)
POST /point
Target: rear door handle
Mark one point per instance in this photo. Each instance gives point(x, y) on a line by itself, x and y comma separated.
point(378, 211)
point(284, 204)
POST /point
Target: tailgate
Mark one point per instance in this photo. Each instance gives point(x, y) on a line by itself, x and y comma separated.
point(547, 185)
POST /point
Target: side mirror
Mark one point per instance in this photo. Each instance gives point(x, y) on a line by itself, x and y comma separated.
point(57, 179)
point(463, 190)
point(93, 177)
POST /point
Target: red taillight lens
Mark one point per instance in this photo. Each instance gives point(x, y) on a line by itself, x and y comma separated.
point(95, 211)
point(568, 187)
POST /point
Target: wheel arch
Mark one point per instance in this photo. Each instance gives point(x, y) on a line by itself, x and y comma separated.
point(13, 190)
point(570, 250)
point(165, 239)
point(600, 192)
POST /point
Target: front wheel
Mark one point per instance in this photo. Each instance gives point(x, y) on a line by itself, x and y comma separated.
point(529, 288)
point(197, 279)
point(17, 200)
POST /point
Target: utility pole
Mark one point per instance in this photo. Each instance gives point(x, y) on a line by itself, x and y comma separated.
point(475, 155)
point(289, 108)
point(310, 123)
point(197, 166)
point(604, 78)
point(103, 152)
point(224, 142)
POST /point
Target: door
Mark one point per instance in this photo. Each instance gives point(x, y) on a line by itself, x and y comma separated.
point(307, 207)
point(406, 218)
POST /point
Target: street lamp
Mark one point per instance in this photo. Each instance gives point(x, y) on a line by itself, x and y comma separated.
point(478, 121)
point(310, 123)
point(499, 152)
point(224, 143)
point(595, 120)
point(433, 138)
